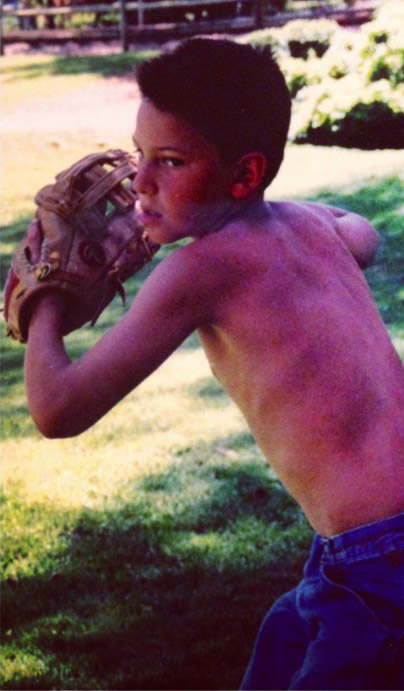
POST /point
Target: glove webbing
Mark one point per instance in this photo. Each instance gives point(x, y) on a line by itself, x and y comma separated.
point(58, 199)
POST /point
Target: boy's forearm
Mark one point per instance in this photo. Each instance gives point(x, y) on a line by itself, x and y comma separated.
point(46, 363)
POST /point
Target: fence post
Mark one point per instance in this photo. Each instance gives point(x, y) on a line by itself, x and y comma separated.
point(259, 14)
point(140, 13)
point(123, 26)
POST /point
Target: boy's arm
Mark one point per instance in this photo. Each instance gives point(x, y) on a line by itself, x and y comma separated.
point(65, 398)
point(359, 236)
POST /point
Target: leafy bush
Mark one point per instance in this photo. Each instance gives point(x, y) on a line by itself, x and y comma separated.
point(388, 23)
point(347, 86)
point(110, 19)
point(301, 73)
point(387, 64)
point(383, 51)
point(81, 20)
point(305, 37)
point(344, 113)
point(263, 37)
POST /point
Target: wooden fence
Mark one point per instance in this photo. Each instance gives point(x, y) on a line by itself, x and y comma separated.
point(144, 19)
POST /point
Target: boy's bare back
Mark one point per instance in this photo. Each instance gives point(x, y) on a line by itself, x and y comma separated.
point(300, 347)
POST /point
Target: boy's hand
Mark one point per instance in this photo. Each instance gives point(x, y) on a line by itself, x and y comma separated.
point(84, 244)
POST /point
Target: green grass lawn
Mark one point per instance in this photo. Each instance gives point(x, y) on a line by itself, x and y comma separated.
point(144, 553)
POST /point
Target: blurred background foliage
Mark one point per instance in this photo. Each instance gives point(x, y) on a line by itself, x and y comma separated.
point(347, 84)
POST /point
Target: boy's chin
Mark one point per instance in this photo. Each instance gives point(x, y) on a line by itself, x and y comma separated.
point(163, 236)
point(166, 234)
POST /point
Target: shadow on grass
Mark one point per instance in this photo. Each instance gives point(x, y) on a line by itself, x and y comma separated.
point(142, 594)
point(103, 65)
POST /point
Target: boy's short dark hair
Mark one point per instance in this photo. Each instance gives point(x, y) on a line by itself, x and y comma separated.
point(233, 94)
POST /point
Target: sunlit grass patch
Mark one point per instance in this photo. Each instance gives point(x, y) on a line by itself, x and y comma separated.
point(15, 88)
point(145, 431)
point(42, 76)
point(23, 67)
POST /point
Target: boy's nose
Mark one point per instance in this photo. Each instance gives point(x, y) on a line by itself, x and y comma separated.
point(144, 182)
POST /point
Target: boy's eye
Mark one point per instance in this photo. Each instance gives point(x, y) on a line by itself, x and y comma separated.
point(172, 162)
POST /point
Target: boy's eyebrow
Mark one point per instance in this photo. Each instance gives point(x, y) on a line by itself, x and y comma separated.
point(171, 148)
point(167, 147)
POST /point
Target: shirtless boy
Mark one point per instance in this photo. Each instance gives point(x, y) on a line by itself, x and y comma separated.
point(285, 316)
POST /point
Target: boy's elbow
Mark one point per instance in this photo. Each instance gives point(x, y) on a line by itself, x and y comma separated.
point(368, 252)
point(57, 422)
point(50, 431)
point(53, 427)
point(360, 237)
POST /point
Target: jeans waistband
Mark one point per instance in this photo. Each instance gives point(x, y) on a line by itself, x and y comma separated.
point(366, 542)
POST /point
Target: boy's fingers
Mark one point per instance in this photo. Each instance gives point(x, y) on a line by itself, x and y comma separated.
point(35, 239)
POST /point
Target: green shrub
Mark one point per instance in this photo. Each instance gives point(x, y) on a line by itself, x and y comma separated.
point(300, 38)
point(305, 37)
point(110, 19)
point(344, 113)
point(383, 51)
point(344, 56)
point(353, 95)
point(263, 37)
point(386, 63)
point(346, 85)
point(388, 24)
point(82, 19)
point(9, 23)
point(301, 73)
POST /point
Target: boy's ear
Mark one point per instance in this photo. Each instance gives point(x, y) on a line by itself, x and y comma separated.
point(247, 174)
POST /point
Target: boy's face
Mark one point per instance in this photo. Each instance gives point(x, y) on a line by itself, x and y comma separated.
point(183, 188)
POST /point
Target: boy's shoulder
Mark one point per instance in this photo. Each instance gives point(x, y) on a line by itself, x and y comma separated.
point(262, 225)
point(224, 252)
point(270, 233)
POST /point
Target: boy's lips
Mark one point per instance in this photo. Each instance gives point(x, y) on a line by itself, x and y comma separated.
point(147, 216)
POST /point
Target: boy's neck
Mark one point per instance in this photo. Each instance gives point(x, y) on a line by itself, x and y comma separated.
point(253, 207)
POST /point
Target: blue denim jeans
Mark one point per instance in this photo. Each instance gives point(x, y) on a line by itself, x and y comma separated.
point(343, 626)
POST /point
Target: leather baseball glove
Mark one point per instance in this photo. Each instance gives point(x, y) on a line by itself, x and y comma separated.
point(91, 243)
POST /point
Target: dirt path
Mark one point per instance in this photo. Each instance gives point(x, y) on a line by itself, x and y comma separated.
point(107, 107)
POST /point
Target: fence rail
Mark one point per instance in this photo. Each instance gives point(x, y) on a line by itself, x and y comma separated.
point(115, 6)
point(145, 19)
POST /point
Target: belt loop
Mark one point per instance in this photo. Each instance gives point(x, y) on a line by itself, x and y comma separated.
point(329, 550)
